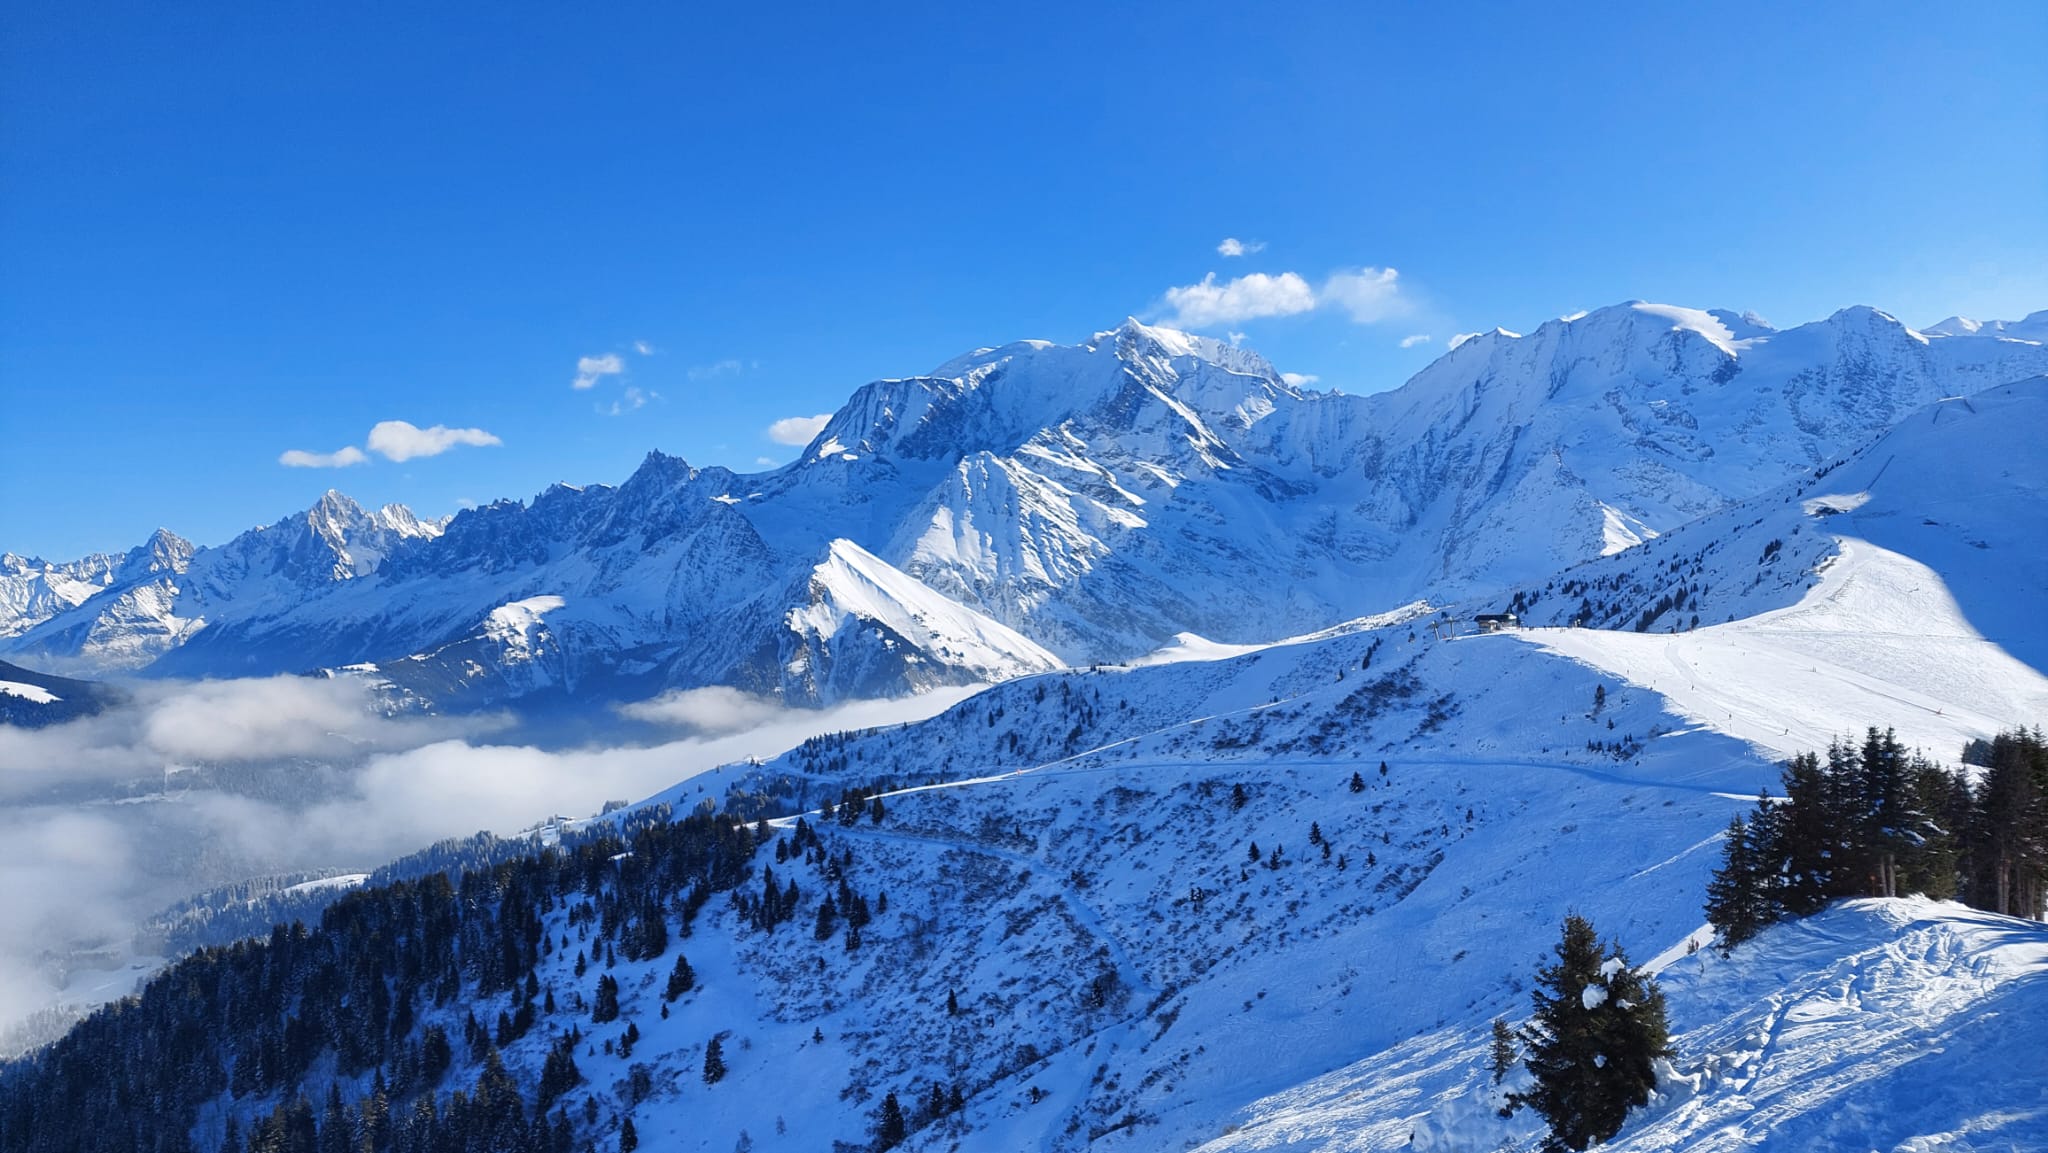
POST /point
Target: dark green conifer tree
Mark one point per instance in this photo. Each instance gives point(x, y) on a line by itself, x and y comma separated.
point(1736, 905)
point(1598, 1027)
point(714, 1062)
point(891, 1130)
point(1501, 1054)
point(681, 979)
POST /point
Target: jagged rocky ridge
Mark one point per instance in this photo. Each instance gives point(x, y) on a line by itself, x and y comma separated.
point(1027, 506)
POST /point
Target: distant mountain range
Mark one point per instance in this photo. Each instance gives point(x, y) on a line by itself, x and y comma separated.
point(1026, 507)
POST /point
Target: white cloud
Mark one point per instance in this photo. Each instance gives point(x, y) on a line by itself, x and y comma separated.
point(1369, 294)
point(765, 462)
point(1300, 379)
point(643, 348)
point(590, 369)
point(1232, 246)
point(629, 400)
point(1460, 339)
point(726, 367)
point(401, 440)
point(1412, 341)
point(798, 430)
point(339, 458)
point(1245, 298)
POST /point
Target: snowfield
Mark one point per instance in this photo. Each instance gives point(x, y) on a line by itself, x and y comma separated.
point(1878, 637)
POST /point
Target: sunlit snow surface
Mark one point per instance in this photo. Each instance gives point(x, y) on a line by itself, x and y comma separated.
point(1880, 637)
point(1897, 1025)
point(35, 693)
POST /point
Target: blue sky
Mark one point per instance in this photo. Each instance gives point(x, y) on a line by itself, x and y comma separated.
point(232, 232)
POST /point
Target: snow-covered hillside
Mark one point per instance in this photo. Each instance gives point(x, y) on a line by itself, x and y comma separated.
point(1071, 924)
point(1035, 503)
point(1899, 1025)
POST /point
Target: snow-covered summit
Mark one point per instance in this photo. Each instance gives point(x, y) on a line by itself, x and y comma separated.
point(1095, 500)
point(2032, 327)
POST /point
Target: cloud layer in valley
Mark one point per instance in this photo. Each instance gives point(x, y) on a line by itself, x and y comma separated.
point(107, 819)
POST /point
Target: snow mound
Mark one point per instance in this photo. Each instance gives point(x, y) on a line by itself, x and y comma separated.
point(1192, 647)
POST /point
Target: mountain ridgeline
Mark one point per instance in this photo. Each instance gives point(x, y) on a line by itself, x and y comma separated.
point(1026, 507)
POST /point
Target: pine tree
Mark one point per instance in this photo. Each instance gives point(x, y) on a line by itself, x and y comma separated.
point(629, 1138)
point(1598, 1027)
point(1735, 899)
point(1238, 798)
point(1357, 782)
point(2007, 841)
point(1888, 825)
point(1809, 838)
point(1501, 1056)
point(892, 1130)
point(714, 1062)
point(606, 1006)
point(681, 979)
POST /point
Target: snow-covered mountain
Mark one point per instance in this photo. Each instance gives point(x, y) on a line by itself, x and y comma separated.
point(1255, 896)
point(1031, 505)
point(2033, 327)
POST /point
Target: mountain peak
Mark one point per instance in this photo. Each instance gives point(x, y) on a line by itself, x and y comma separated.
point(2031, 327)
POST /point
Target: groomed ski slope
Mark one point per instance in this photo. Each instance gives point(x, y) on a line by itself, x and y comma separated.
point(1879, 638)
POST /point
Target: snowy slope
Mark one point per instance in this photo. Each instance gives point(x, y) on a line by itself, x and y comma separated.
point(1045, 849)
point(1898, 1025)
point(1062, 855)
point(1869, 587)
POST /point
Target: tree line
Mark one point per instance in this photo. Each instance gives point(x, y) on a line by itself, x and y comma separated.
point(374, 995)
point(1873, 820)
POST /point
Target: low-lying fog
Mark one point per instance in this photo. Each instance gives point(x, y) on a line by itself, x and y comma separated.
point(106, 820)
